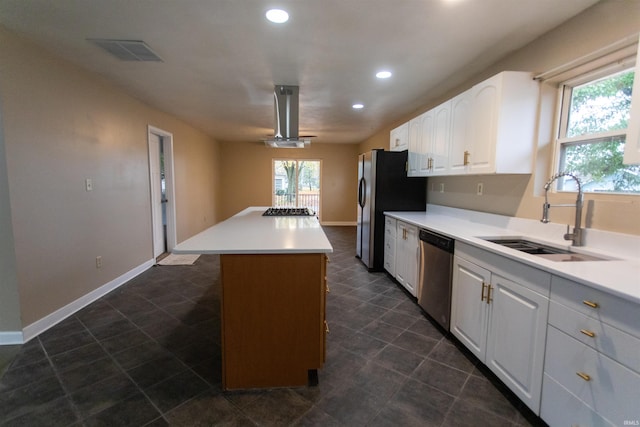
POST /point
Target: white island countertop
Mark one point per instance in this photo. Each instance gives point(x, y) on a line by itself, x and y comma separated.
point(619, 274)
point(248, 232)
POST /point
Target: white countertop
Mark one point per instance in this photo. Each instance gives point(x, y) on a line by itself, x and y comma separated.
point(619, 276)
point(248, 232)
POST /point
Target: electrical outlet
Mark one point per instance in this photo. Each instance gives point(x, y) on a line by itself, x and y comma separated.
point(98, 261)
point(480, 189)
point(442, 187)
point(88, 184)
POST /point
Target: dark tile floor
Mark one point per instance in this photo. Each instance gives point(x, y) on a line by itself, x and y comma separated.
point(149, 354)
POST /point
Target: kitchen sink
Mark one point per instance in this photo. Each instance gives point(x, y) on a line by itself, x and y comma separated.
point(544, 251)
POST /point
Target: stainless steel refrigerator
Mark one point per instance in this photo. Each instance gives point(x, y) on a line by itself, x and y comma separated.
point(383, 185)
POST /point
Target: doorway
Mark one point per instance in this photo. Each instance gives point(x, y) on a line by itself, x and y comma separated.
point(162, 187)
point(296, 183)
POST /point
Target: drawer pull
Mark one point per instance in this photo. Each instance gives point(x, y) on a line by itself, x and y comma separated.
point(583, 376)
point(590, 304)
point(482, 292)
point(587, 333)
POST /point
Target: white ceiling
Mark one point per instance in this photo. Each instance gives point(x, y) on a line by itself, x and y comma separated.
point(222, 58)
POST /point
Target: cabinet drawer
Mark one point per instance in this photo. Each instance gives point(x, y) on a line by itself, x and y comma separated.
point(622, 314)
point(390, 227)
point(611, 390)
point(389, 247)
point(608, 340)
point(561, 408)
point(389, 265)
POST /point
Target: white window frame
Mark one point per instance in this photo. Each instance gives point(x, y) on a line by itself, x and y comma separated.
point(297, 160)
point(565, 87)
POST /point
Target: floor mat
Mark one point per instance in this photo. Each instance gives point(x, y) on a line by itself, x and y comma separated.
point(179, 259)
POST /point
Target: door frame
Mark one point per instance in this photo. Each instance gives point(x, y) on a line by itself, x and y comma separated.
point(297, 160)
point(167, 142)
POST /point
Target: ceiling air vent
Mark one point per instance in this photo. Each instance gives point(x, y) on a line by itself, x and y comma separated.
point(128, 50)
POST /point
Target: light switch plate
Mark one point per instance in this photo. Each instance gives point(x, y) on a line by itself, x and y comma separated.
point(88, 183)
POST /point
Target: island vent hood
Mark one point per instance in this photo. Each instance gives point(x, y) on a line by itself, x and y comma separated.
point(286, 119)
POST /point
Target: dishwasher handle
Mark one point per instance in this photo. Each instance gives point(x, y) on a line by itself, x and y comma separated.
point(438, 240)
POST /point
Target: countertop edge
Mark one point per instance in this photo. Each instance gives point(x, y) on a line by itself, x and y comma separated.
point(249, 232)
point(434, 222)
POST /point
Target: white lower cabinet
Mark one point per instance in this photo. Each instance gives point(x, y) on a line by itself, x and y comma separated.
point(561, 408)
point(390, 245)
point(407, 254)
point(401, 253)
point(515, 343)
point(592, 359)
point(499, 312)
point(469, 311)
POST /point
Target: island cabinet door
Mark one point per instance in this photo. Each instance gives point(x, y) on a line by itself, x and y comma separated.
point(273, 323)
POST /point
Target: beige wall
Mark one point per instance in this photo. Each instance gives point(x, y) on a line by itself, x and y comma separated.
point(522, 195)
point(247, 170)
point(61, 126)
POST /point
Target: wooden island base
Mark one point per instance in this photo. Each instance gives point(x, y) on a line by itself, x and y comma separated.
point(273, 319)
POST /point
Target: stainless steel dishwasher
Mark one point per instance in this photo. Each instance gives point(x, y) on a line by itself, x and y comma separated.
point(436, 263)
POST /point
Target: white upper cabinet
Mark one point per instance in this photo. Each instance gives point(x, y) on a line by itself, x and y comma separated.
point(426, 133)
point(459, 140)
point(503, 124)
point(439, 147)
point(632, 143)
point(399, 138)
point(488, 129)
point(415, 146)
point(434, 151)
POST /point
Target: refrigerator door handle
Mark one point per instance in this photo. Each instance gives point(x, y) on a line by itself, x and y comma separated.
point(361, 192)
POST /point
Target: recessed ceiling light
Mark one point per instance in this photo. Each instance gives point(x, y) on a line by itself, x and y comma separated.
point(277, 15)
point(357, 106)
point(383, 74)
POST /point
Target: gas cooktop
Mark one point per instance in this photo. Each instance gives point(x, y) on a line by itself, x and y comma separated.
point(288, 212)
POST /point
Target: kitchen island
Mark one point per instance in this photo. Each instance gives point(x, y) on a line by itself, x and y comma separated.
point(273, 274)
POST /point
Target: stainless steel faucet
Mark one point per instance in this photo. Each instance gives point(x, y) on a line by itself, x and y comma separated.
point(576, 236)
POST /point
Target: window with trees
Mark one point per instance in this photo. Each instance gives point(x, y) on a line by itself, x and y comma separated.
point(296, 183)
point(593, 126)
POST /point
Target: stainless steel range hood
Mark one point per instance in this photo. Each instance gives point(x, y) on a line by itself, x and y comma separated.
point(286, 119)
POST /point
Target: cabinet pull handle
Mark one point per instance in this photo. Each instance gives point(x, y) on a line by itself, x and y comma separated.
point(466, 158)
point(482, 293)
point(584, 376)
point(326, 327)
point(489, 299)
point(587, 333)
point(327, 288)
point(590, 304)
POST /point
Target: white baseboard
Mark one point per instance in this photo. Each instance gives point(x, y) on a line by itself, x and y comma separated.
point(39, 326)
point(338, 223)
point(11, 338)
